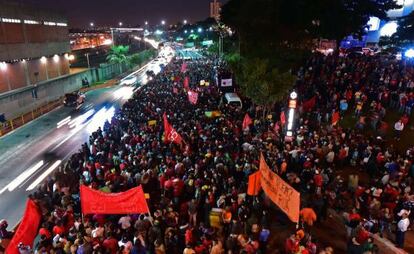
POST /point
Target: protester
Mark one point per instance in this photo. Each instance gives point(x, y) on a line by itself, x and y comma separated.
point(197, 186)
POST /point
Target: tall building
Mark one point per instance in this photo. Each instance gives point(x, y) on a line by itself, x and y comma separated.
point(215, 8)
point(33, 45)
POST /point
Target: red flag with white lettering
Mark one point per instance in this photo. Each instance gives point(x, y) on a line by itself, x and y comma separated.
point(170, 134)
point(246, 121)
point(192, 97)
point(27, 230)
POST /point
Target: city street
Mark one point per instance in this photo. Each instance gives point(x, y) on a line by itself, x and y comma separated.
point(32, 152)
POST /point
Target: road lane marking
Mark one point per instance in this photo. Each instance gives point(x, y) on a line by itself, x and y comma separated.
point(22, 177)
point(44, 175)
point(63, 122)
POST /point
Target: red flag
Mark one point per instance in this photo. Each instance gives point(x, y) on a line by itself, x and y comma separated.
point(282, 118)
point(247, 121)
point(277, 127)
point(131, 201)
point(309, 104)
point(192, 97)
point(27, 230)
point(254, 186)
point(335, 118)
point(170, 134)
point(186, 83)
point(184, 67)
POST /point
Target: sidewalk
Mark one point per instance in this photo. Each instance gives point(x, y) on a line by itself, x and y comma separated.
point(23, 119)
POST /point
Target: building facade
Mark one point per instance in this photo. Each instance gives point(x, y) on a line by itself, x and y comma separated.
point(215, 9)
point(34, 45)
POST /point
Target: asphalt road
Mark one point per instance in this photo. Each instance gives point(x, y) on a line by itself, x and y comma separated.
point(29, 154)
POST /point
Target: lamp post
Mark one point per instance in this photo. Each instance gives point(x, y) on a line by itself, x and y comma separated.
point(291, 116)
point(120, 24)
point(163, 22)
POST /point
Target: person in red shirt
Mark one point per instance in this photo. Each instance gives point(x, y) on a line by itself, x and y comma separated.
point(111, 244)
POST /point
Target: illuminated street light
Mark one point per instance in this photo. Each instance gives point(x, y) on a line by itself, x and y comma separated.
point(92, 24)
point(192, 31)
point(200, 29)
point(291, 115)
point(185, 31)
point(3, 66)
point(163, 22)
point(120, 23)
point(185, 22)
point(43, 60)
point(409, 53)
point(146, 23)
point(56, 58)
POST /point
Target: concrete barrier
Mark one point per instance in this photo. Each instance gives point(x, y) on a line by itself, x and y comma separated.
point(20, 101)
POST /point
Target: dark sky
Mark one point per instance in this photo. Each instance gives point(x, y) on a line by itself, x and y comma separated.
point(109, 12)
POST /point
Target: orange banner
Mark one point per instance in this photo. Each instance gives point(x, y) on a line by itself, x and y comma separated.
point(254, 184)
point(280, 192)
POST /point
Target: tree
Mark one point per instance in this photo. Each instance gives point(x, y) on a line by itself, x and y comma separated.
point(119, 55)
point(294, 24)
point(405, 32)
point(264, 85)
point(142, 57)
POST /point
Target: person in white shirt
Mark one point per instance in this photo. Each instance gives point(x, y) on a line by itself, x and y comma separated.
point(402, 227)
point(398, 128)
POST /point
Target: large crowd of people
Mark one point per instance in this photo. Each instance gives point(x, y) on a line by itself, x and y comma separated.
point(197, 190)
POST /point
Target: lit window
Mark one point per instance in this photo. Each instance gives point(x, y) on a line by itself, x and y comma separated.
point(61, 24)
point(47, 23)
point(31, 22)
point(6, 20)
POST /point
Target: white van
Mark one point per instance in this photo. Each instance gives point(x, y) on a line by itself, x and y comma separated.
point(233, 99)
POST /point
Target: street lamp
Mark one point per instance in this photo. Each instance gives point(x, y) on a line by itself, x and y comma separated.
point(163, 22)
point(3, 66)
point(200, 29)
point(146, 23)
point(120, 23)
point(92, 24)
point(185, 31)
point(185, 22)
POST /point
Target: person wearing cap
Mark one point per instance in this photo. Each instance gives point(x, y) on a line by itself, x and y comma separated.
point(402, 227)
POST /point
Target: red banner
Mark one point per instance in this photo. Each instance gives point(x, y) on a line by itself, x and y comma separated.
point(254, 184)
point(27, 230)
point(192, 97)
point(246, 121)
point(97, 202)
point(170, 134)
point(186, 83)
point(280, 192)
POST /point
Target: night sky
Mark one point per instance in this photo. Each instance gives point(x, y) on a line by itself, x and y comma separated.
point(132, 12)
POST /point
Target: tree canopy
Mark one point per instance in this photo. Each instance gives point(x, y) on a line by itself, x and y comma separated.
point(405, 33)
point(288, 23)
